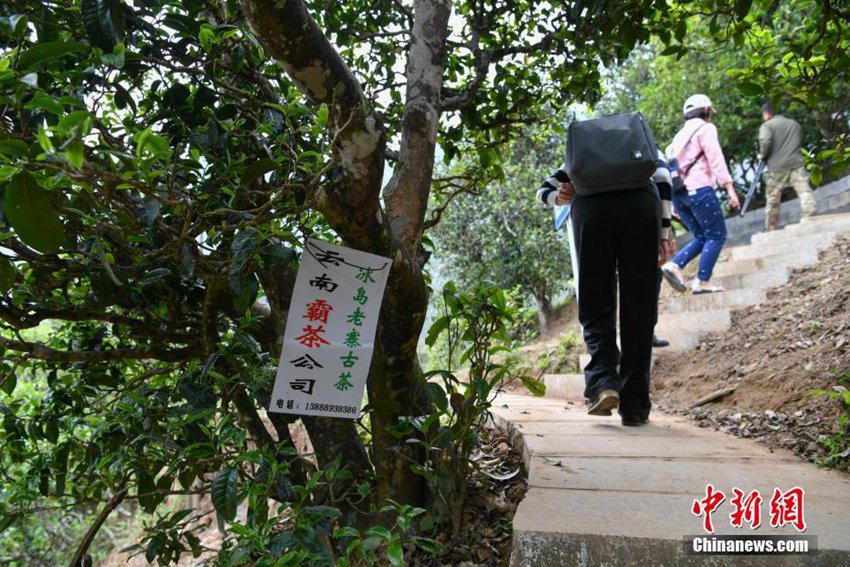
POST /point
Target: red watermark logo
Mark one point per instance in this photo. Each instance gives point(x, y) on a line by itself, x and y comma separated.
point(786, 508)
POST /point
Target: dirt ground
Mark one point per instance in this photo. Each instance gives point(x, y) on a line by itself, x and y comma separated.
point(774, 355)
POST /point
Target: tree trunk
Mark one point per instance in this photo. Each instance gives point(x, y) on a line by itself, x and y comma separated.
point(351, 205)
point(407, 192)
point(397, 388)
point(544, 312)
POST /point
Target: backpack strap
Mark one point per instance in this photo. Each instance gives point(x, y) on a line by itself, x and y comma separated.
point(685, 170)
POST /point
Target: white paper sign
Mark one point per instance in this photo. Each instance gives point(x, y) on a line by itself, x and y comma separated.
point(330, 332)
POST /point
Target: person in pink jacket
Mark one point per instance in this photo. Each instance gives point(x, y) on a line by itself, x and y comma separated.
point(702, 167)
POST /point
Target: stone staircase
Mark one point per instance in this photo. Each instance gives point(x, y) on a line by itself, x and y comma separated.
point(747, 272)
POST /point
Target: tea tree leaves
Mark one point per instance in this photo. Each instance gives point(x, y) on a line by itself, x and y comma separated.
point(225, 493)
point(31, 214)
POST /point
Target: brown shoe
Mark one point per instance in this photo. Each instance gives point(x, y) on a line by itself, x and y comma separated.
point(602, 405)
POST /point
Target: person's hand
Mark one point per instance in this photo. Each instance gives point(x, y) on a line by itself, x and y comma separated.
point(565, 194)
point(733, 198)
point(759, 157)
point(666, 250)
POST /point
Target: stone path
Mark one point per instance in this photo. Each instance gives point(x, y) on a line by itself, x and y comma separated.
point(603, 494)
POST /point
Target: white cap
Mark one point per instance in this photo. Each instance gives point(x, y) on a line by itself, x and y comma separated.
point(696, 101)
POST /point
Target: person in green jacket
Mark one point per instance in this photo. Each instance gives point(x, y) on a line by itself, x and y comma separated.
point(780, 140)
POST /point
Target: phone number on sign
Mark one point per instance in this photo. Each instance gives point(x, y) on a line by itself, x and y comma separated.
point(331, 407)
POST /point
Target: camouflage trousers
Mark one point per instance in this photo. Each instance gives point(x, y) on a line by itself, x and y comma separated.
point(775, 182)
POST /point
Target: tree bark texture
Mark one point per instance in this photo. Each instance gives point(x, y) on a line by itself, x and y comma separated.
point(544, 312)
point(407, 192)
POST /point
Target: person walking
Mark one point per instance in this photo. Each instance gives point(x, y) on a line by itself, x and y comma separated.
point(619, 238)
point(780, 140)
point(702, 166)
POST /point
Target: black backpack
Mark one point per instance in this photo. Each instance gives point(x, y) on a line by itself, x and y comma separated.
point(610, 153)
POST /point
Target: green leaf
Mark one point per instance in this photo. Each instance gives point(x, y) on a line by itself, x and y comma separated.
point(437, 395)
point(206, 36)
point(533, 385)
point(749, 88)
point(153, 548)
point(44, 481)
point(6, 171)
point(18, 25)
point(153, 143)
point(44, 140)
point(380, 531)
point(51, 430)
point(46, 51)
point(742, 8)
point(816, 175)
point(8, 273)
point(285, 490)
point(146, 492)
point(104, 22)
point(224, 493)
point(395, 553)
point(13, 147)
point(249, 342)
point(79, 120)
point(75, 153)
point(60, 463)
point(43, 101)
point(322, 114)
point(436, 328)
point(426, 544)
point(28, 209)
point(154, 276)
point(257, 170)
point(11, 381)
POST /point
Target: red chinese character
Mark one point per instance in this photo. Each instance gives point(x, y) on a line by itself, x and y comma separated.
point(311, 338)
point(318, 311)
point(707, 505)
point(787, 508)
point(746, 509)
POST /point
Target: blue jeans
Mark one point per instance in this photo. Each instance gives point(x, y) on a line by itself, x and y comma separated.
point(702, 214)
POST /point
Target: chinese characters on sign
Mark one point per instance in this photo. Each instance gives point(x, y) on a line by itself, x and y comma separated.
point(330, 332)
point(786, 508)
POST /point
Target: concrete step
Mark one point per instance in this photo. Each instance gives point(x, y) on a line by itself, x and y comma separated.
point(603, 494)
point(794, 259)
point(765, 278)
point(817, 241)
point(710, 319)
point(839, 201)
point(730, 298)
point(565, 386)
point(686, 329)
point(817, 225)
